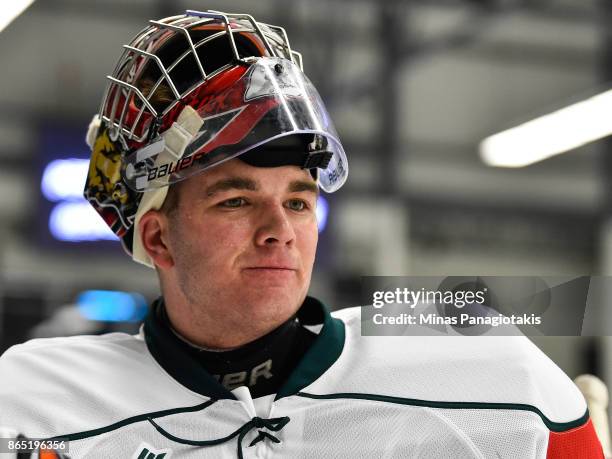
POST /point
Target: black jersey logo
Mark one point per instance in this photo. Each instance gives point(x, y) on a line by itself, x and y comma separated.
point(146, 451)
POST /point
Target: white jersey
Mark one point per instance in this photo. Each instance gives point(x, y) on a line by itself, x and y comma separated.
point(124, 396)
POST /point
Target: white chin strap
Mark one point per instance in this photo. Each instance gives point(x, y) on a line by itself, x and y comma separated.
point(151, 200)
point(176, 139)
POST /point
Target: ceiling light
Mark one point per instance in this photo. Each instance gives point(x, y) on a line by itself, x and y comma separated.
point(550, 135)
point(11, 9)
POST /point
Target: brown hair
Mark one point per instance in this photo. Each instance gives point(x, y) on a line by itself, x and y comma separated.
point(161, 98)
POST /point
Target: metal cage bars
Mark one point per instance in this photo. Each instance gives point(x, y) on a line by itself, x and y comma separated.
point(177, 25)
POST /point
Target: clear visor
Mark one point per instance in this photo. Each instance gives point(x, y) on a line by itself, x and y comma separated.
point(271, 100)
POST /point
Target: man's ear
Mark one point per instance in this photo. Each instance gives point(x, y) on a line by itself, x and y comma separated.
point(153, 227)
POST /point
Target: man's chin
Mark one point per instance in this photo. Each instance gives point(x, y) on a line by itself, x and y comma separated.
point(273, 301)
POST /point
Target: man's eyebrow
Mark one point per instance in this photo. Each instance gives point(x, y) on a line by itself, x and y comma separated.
point(301, 185)
point(233, 183)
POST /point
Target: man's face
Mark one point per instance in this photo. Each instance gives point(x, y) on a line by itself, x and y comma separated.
point(243, 241)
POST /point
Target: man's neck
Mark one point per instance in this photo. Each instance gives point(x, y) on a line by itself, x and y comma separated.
point(222, 323)
point(200, 330)
point(262, 365)
point(196, 346)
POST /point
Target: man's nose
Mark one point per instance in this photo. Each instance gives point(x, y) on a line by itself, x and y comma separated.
point(274, 226)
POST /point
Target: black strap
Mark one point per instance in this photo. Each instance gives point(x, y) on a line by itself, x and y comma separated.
point(317, 159)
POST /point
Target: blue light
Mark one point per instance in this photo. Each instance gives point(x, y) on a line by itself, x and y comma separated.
point(77, 222)
point(72, 219)
point(64, 179)
point(322, 211)
point(110, 306)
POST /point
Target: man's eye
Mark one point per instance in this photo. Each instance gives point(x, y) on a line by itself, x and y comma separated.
point(234, 202)
point(297, 205)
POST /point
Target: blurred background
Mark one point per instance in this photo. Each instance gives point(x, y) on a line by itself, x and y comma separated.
point(413, 86)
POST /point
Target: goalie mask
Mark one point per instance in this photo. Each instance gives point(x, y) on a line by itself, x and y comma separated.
point(190, 92)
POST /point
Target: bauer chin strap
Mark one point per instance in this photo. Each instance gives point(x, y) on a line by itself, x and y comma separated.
point(172, 143)
point(182, 132)
point(169, 146)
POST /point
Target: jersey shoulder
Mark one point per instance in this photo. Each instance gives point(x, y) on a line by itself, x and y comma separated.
point(69, 355)
point(90, 380)
point(485, 370)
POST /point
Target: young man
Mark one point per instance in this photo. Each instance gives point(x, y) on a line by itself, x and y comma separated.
point(208, 154)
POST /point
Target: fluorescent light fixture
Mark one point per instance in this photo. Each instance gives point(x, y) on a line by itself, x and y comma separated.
point(111, 306)
point(550, 135)
point(11, 9)
point(64, 179)
point(321, 213)
point(77, 222)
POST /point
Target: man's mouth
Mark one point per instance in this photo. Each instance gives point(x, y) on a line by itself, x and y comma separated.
point(271, 268)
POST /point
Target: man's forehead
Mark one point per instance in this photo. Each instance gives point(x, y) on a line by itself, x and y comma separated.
point(237, 174)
